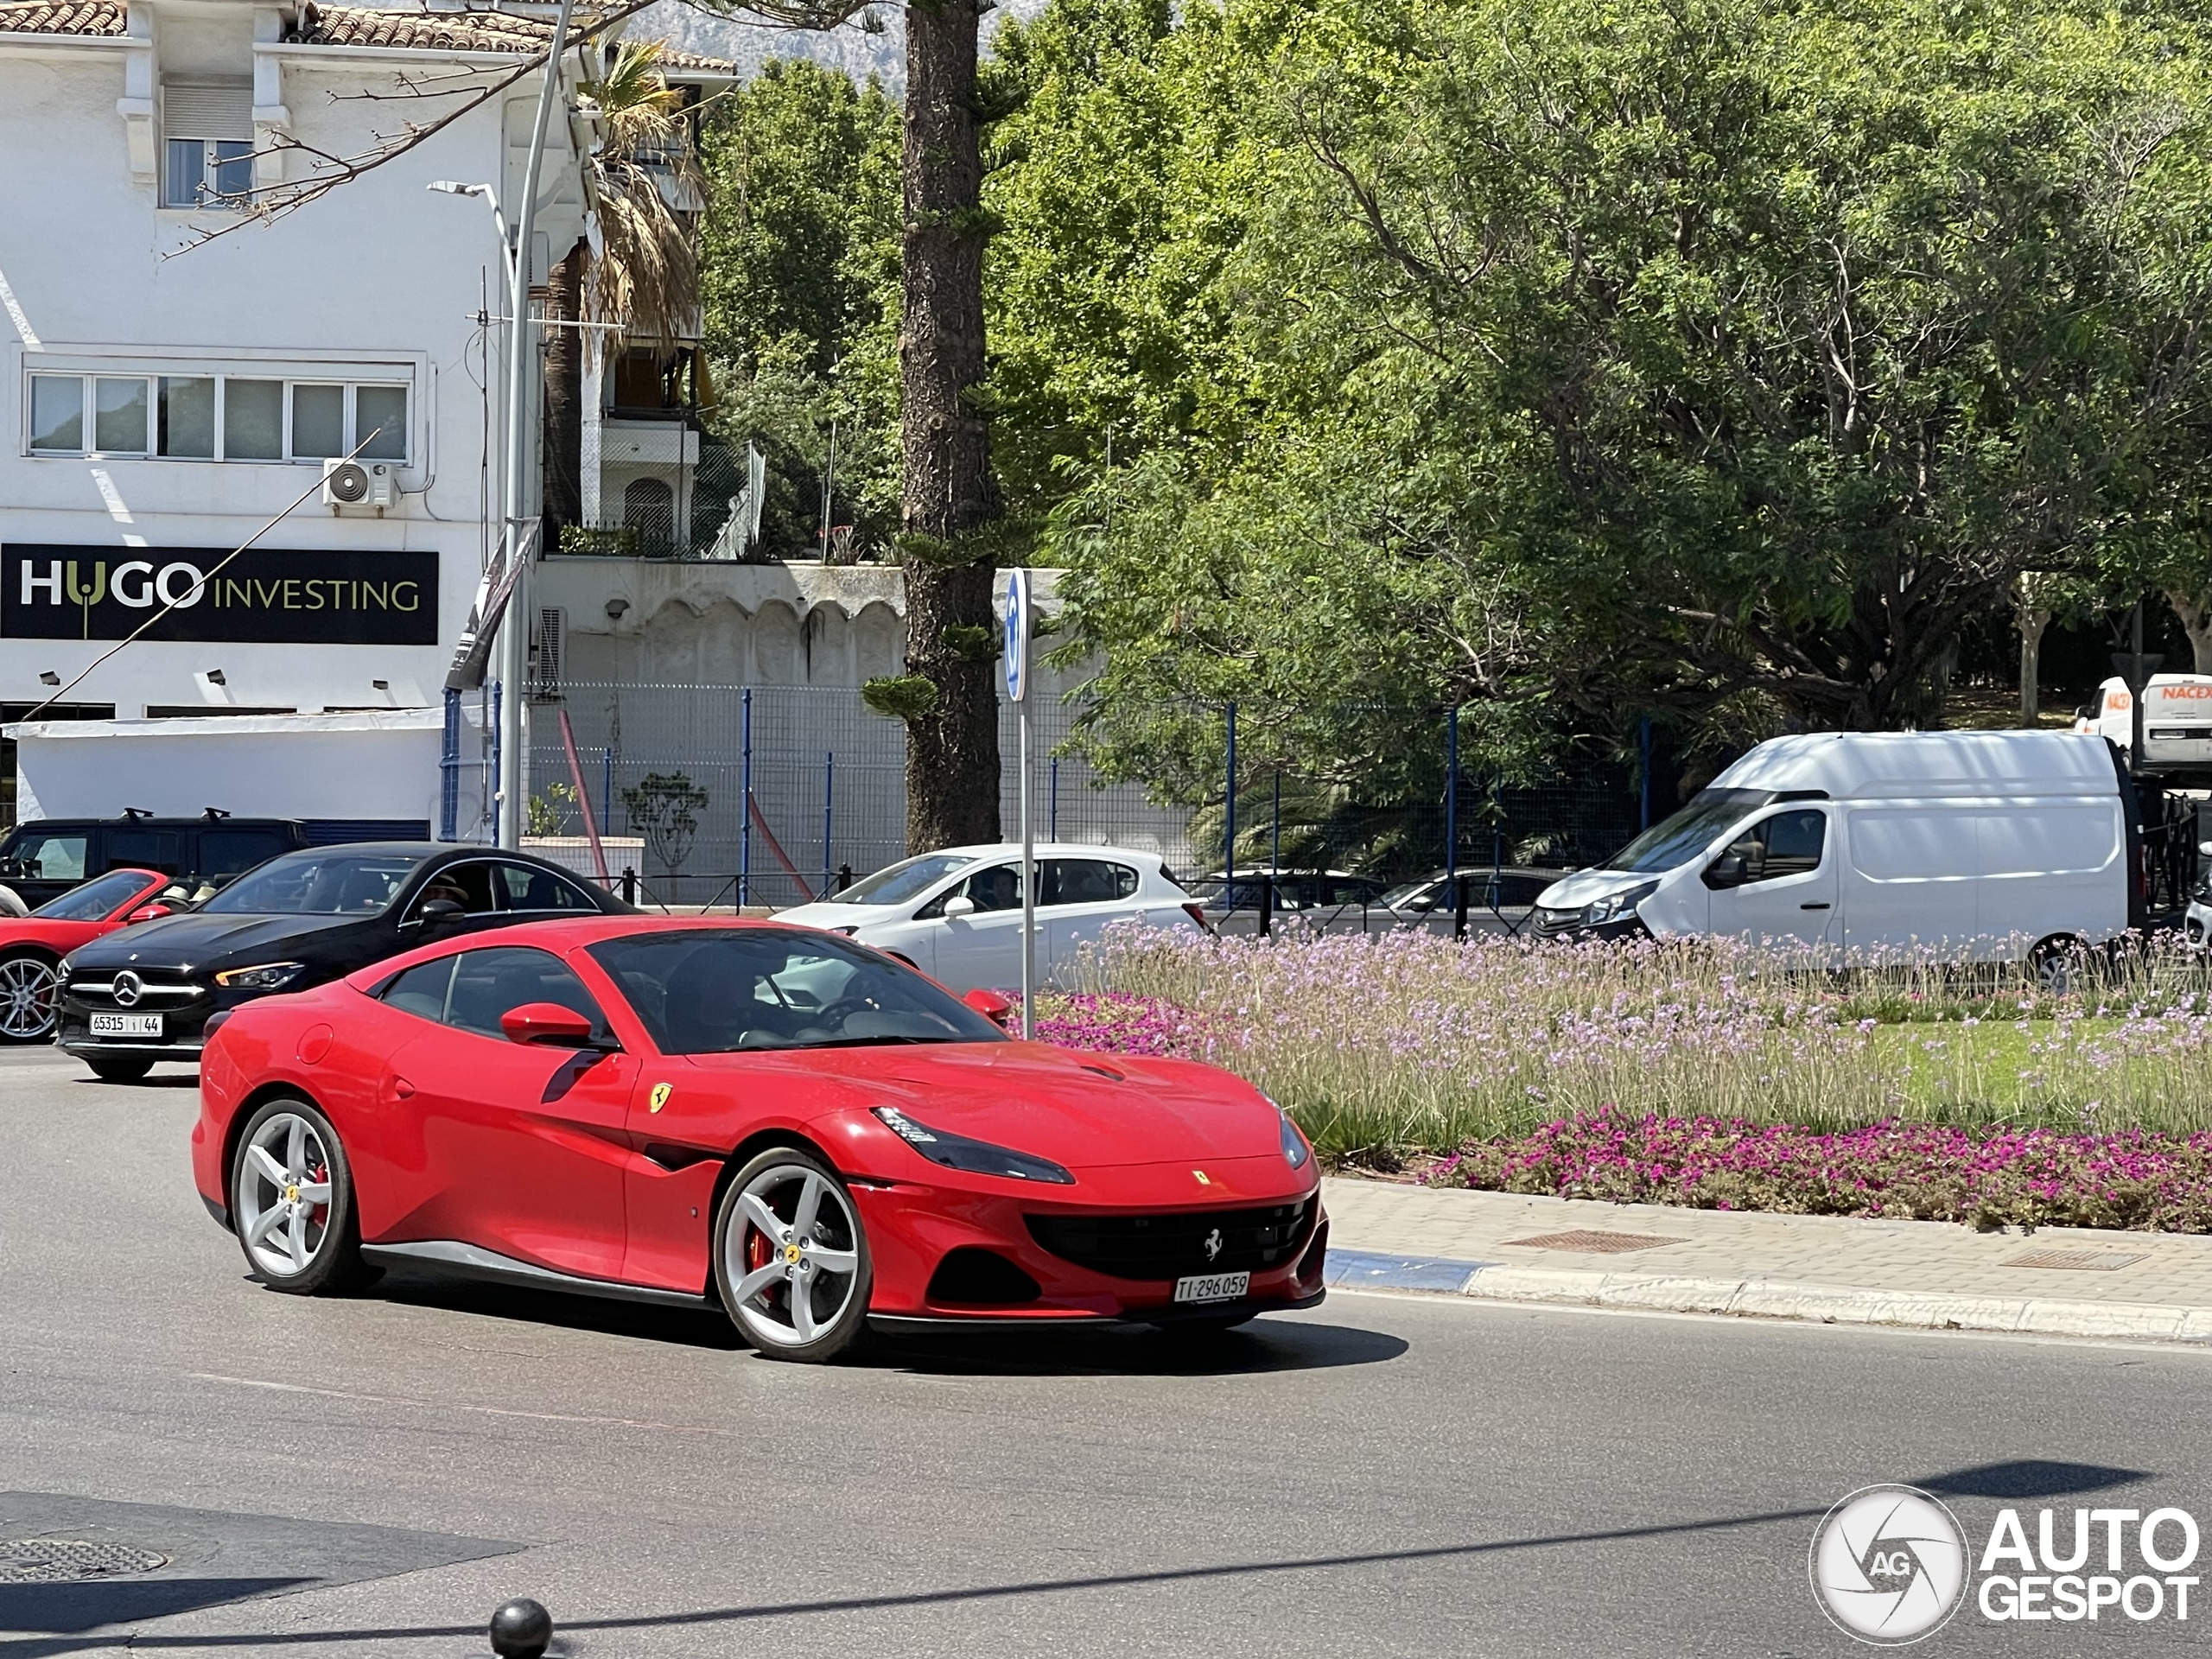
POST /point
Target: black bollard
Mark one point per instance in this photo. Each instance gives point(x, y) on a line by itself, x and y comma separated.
point(521, 1629)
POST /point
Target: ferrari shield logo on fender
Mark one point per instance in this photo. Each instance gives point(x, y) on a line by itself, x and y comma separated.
point(1201, 1174)
point(659, 1098)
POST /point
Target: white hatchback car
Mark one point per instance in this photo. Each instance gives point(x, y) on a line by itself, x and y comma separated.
point(957, 914)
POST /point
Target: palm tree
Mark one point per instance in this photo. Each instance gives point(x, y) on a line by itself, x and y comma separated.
point(646, 191)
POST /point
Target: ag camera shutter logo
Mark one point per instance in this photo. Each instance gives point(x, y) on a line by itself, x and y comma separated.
point(1889, 1566)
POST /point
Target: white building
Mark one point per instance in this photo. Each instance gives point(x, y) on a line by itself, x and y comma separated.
point(168, 396)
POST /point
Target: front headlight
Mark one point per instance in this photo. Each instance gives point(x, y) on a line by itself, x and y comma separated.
point(1615, 906)
point(262, 976)
point(1295, 1151)
point(970, 1156)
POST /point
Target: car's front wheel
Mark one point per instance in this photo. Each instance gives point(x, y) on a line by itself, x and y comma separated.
point(791, 1260)
point(27, 992)
point(292, 1202)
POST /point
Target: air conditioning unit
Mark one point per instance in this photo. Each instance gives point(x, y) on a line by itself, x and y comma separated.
point(359, 484)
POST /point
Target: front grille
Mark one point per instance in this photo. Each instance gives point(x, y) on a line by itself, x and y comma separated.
point(1169, 1247)
point(160, 990)
point(1551, 921)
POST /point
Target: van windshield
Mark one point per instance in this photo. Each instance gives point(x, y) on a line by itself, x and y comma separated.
point(1675, 842)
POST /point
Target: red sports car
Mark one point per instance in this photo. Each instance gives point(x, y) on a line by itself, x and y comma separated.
point(31, 947)
point(683, 1111)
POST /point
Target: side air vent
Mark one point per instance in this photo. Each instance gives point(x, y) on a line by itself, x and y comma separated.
point(970, 1277)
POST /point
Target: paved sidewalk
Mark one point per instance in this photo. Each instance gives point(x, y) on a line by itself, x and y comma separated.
point(2058, 1281)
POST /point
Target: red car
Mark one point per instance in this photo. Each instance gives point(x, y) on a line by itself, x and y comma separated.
point(682, 1111)
point(31, 947)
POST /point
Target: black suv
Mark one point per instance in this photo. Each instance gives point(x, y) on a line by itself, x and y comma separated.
point(146, 993)
point(44, 859)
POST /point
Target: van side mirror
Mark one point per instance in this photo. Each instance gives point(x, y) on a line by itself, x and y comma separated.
point(959, 905)
point(1726, 871)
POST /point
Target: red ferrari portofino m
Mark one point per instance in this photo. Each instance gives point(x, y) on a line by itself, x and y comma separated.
point(816, 1136)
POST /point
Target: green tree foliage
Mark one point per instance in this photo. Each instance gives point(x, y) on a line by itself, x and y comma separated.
point(1692, 355)
point(800, 252)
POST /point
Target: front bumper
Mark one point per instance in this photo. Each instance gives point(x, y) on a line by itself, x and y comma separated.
point(914, 1229)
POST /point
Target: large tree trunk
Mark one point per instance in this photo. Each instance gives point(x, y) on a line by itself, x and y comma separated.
point(2033, 620)
point(952, 747)
point(564, 395)
point(2195, 615)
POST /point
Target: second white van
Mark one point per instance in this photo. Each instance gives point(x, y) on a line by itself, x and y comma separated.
point(1861, 846)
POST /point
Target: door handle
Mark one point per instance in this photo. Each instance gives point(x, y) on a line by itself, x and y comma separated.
point(1822, 907)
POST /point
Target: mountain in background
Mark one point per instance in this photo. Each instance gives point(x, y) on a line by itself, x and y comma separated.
point(850, 47)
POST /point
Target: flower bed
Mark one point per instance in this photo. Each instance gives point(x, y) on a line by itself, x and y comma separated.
point(2022, 1177)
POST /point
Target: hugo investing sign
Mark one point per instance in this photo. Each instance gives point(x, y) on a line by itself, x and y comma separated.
point(263, 596)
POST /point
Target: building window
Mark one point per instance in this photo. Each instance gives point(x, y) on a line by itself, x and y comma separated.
point(649, 508)
point(209, 417)
point(208, 158)
point(209, 173)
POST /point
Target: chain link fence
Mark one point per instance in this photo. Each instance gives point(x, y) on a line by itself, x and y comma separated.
point(674, 767)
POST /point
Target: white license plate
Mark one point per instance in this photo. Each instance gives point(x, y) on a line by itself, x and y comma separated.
point(127, 1025)
point(1213, 1287)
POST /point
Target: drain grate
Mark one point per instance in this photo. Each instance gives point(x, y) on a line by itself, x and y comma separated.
point(60, 1561)
point(1592, 1243)
point(2074, 1261)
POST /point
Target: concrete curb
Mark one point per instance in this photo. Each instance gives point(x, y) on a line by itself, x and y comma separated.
point(1765, 1298)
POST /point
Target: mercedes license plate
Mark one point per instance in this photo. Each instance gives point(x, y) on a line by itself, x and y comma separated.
point(1213, 1287)
point(127, 1025)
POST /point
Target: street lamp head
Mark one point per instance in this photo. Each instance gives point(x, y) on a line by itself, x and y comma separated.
point(454, 188)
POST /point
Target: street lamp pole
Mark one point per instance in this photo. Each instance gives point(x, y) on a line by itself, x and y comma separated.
point(514, 641)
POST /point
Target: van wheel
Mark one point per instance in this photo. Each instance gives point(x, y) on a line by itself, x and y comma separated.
point(2058, 962)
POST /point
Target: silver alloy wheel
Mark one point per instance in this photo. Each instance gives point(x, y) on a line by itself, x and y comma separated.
point(27, 988)
point(808, 1254)
point(283, 1196)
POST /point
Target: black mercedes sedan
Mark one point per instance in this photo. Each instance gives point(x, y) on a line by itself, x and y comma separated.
point(146, 994)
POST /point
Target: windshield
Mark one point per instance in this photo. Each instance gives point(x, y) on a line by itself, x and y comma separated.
point(1396, 897)
point(709, 993)
point(96, 900)
point(1675, 842)
point(910, 879)
point(317, 884)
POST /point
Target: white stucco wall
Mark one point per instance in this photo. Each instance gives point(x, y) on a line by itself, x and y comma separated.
point(328, 766)
point(381, 277)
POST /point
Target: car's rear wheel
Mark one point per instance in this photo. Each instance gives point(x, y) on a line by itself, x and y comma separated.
point(791, 1259)
point(2057, 964)
point(26, 993)
point(119, 1068)
point(292, 1202)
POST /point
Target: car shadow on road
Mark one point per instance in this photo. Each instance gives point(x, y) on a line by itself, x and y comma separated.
point(1250, 1350)
point(1266, 1345)
point(157, 1081)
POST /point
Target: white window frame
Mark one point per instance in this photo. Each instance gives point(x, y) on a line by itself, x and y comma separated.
point(206, 199)
point(88, 378)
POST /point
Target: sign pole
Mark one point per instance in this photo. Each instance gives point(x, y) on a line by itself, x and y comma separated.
point(1017, 691)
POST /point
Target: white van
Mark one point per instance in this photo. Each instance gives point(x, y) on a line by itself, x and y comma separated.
point(2176, 718)
point(1862, 846)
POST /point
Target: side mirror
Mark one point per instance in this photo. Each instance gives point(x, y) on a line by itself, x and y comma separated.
point(439, 910)
point(546, 1025)
point(152, 913)
point(959, 905)
point(993, 1007)
point(1726, 871)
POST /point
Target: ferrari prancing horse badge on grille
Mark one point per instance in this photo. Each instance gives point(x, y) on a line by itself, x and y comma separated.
point(659, 1098)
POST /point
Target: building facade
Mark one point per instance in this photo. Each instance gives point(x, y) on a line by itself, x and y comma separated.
point(181, 365)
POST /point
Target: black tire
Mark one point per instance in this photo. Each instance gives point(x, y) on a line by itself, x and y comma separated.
point(832, 1323)
point(27, 995)
point(2057, 964)
point(119, 1068)
point(326, 1245)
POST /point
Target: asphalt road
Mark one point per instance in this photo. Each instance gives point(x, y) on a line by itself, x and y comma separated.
point(1382, 1476)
